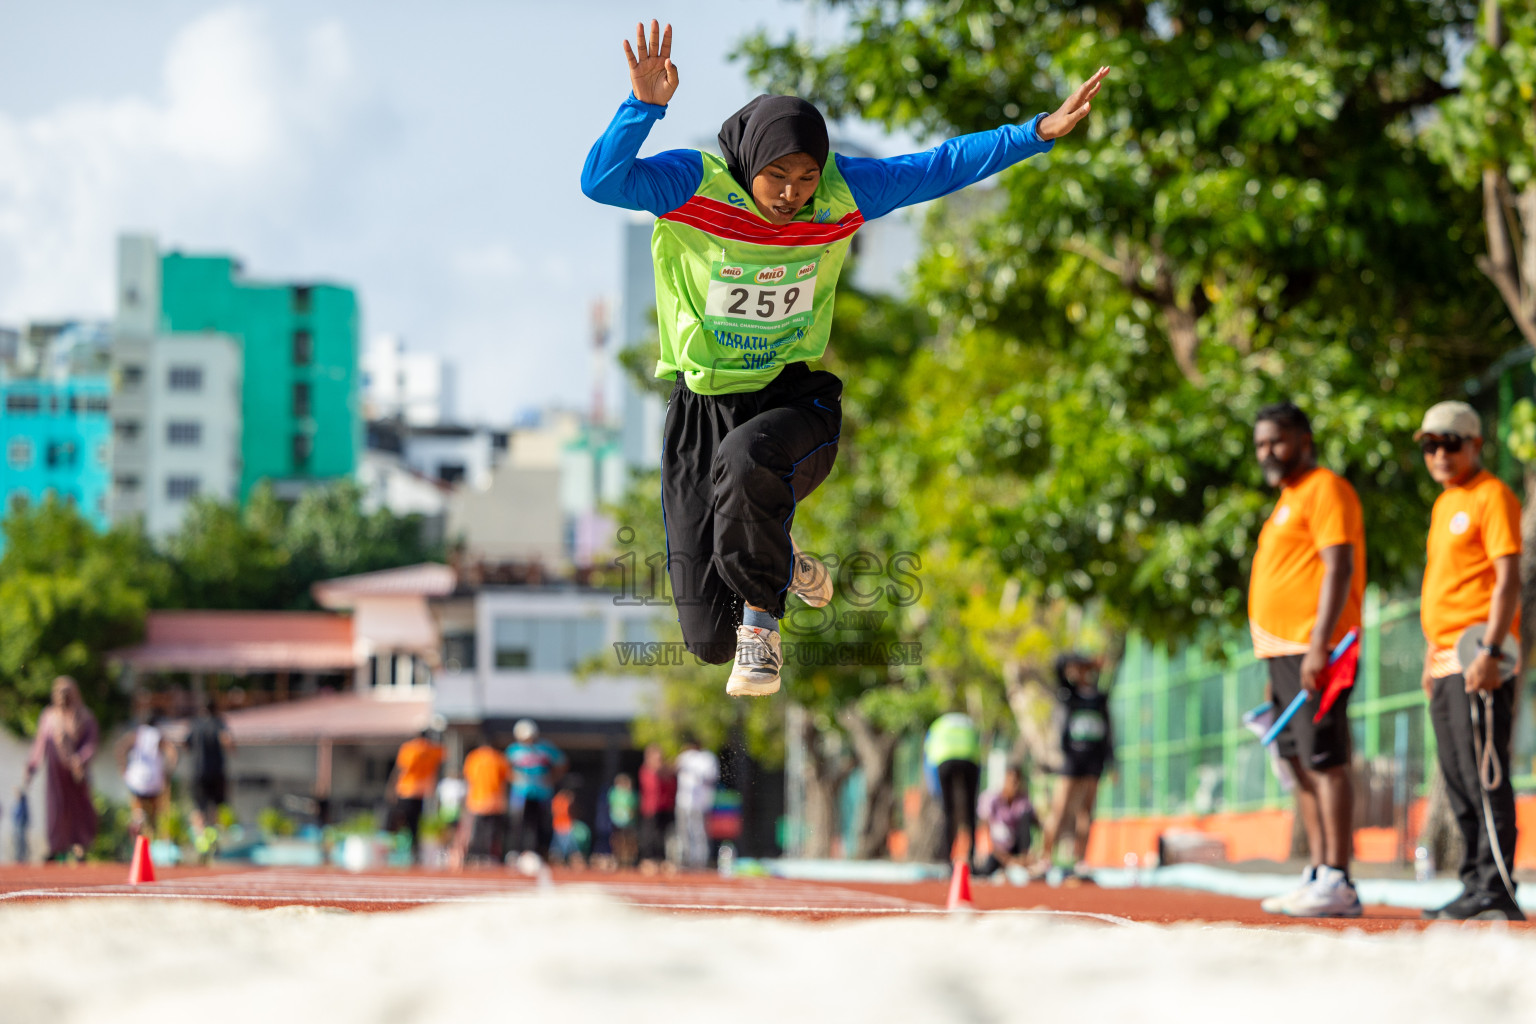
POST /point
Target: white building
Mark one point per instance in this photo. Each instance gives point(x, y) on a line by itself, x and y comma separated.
point(454, 454)
point(415, 387)
point(514, 652)
point(176, 403)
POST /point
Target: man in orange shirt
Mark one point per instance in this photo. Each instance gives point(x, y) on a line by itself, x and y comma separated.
point(1304, 595)
point(413, 778)
point(1472, 586)
point(487, 774)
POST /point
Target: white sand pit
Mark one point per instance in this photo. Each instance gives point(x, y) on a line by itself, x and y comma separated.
point(578, 958)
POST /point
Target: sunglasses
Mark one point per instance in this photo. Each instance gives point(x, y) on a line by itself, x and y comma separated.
point(1451, 443)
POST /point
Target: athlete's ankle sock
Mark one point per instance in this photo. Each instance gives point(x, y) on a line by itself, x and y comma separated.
point(762, 620)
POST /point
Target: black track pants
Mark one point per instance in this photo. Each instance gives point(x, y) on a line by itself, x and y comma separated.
point(1450, 711)
point(732, 469)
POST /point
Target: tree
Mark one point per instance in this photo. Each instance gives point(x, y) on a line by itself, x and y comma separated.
point(68, 596)
point(1249, 218)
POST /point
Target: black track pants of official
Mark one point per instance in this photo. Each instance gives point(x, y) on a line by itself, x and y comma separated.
point(958, 782)
point(1450, 711)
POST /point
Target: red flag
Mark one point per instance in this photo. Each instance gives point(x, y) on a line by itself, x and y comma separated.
point(1338, 677)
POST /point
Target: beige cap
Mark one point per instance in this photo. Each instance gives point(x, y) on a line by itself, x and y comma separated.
point(1457, 418)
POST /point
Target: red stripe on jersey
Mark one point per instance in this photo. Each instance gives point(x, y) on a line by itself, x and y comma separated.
point(725, 221)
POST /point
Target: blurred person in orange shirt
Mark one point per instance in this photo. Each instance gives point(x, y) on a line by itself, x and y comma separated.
point(487, 774)
point(563, 847)
point(1304, 596)
point(413, 779)
point(1471, 603)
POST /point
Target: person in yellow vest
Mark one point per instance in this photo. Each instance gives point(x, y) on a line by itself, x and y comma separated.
point(1470, 610)
point(747, 248)
point(952, 762)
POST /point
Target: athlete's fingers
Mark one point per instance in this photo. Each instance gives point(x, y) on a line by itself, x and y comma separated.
point(671, 73)
point(666, 42)
point(629, 53)
point(655, 37)
point(640, 41)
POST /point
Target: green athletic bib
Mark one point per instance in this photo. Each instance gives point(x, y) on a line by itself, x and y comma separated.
point(738, 298)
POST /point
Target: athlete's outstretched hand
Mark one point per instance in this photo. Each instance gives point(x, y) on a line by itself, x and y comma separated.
point(652, 74)
point(1054, 126)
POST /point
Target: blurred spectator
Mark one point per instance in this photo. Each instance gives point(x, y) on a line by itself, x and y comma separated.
point(66, 741)
point(486, 776)
point(1010, 820)
point(146, 758)
point(623, 806)
point(1086, 746)
point(537, 767)
point(413, 779)
point(697, 773)
point(658, 807)
point(208, 744)
point(563, 845)
point(952, 763)
point(21, 820)
point(450, 805)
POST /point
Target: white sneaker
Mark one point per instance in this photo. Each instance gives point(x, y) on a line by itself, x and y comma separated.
point(758, 659)
point(812, 581)
point(1277, 904)
point(1330, 895)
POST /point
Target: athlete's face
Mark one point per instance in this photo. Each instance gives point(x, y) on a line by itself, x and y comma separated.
point(784, 186)
point(1281, 450)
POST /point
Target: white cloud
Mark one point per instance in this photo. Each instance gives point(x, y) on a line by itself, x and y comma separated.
point(247, 128)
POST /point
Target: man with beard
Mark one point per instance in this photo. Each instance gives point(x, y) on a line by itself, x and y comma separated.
point(1304, 595)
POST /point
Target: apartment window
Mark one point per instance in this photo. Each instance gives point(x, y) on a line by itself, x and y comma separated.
point(180, 488)
point(303, 445)
point(103, 454)
point(451, 472)
point(127, 430)
point(186, 378)
point(301, 399)
point(184, 432)
point(547, 644)
point(303, 347)
point(61, 454)
point(97, 403)
point(302, 298)
point(18, 454)
point(132, 375)
point(22, 403)
point(458, 651)
point(127, 482)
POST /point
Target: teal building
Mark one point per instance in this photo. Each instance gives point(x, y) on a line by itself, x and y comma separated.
point(55, 437)
point(301, 412)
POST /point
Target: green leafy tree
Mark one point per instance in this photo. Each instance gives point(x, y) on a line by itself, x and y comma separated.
point(1248, 218)
point(68, 596)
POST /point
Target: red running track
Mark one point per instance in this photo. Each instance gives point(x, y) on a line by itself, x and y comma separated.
point(701, 893)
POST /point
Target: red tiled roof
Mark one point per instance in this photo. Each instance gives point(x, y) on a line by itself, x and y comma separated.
point(336, 716)
point(428, 579)
point(243, 642)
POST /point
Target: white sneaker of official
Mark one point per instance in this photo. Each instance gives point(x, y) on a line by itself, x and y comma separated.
point(1277, 904)
point(758, 659)
point(1329, 895)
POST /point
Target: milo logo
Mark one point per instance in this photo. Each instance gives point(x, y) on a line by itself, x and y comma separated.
point(805, 271)
point(730, 271)
point(768, 275)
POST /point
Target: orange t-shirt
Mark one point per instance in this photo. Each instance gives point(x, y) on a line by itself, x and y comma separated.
point(487, 774)
point(417, 762)
point(1318, 511)
point(560, 811)
point(1472, 525)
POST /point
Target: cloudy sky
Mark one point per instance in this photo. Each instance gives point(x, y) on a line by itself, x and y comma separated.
point(427, 154)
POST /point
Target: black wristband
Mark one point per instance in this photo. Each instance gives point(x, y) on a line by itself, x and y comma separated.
point(1496, 653)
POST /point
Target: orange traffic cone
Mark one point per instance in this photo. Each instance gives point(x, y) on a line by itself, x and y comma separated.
point(960, 887)
point(143, 868)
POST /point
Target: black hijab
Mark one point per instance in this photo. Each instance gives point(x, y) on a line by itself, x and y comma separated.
point(770, 127)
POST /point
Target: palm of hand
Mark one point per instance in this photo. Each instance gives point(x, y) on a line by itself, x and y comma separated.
point(652, 75)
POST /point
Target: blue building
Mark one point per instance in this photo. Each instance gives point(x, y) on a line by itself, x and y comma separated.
point(55, 436)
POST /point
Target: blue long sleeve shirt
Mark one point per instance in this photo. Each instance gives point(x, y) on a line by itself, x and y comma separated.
point(616, 175)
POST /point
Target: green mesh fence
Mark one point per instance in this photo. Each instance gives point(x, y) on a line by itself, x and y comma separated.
point(1181, 747)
